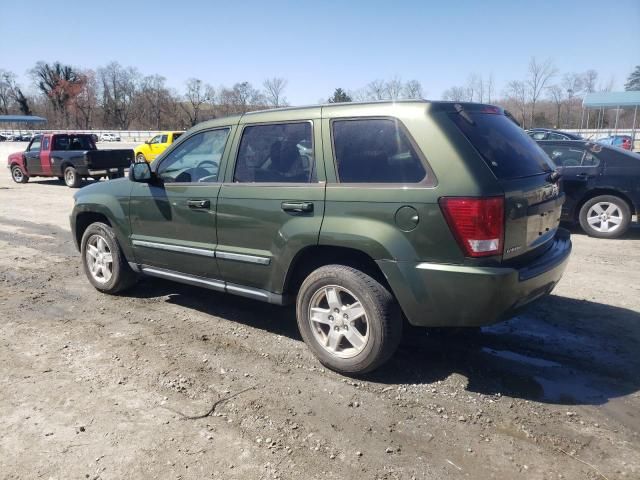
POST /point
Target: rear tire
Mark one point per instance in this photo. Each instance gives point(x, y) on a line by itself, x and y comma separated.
point(71, 178)
point(18, 175)
point(605, 216)
point(104, 263)
point(348, 319)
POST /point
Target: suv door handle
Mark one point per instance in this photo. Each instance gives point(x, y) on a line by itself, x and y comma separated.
point(198, 203)
point(297, 207)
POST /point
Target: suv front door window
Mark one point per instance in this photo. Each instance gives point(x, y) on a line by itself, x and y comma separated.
point(173, 220)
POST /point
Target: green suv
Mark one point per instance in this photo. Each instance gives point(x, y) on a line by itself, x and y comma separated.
point(364, 215)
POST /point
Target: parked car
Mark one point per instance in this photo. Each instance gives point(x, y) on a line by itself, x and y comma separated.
point(70, 157)
point(2, 138)
point(621, 141)
point(549, 134)
point(109, 137)
point(444, 213)
point(153, 147)
point(601, 183)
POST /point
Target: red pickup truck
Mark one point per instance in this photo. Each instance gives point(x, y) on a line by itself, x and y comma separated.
point(68, 156)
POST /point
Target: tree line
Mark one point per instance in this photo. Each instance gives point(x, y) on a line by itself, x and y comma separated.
point(545, 97)
point(119, 97)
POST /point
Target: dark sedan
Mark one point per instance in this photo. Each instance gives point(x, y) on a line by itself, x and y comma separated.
point(539, 134)
point(601, 183)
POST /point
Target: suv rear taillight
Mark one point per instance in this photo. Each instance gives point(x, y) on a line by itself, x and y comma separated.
point(477, 223)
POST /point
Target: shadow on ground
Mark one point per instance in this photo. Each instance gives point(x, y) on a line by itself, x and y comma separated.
point(560, 350)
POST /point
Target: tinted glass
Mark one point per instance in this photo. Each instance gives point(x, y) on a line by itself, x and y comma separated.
point(197, 159)
point(375, 151)
point(506, 149)
point(538, 135)
point(557, 136)
point(176, 136)
point(164, 139)
point(72, 142)
point(565, 156)
point(276, 153)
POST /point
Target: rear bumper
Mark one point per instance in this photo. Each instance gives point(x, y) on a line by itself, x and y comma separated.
point(437, 295)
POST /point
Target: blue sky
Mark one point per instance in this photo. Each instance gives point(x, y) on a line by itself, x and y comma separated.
point(320, 45)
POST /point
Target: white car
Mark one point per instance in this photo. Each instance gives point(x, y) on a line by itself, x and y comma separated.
point(109, 137)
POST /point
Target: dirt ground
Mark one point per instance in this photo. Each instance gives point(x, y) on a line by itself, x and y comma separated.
point(101, 387)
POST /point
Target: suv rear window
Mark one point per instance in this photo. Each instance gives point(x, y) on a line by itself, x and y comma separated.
point(506, 148)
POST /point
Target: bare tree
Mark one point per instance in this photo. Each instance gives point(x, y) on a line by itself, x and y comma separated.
point(60, 84)
point(120, 87)
point(589, 79)
point(557, 95)
point(241, 98)
point(86, 102)
point(197, 94)
point(412, 90)
point(516, 91)
point(273, 92)
point(393, 88)
point(489, 87)
point(456, 94)
point(7, 90)
point(539, 74)
point(377, 90)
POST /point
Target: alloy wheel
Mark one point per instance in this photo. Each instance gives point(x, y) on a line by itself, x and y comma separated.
point(604, 217)
point(338, 321)
point(99, 259)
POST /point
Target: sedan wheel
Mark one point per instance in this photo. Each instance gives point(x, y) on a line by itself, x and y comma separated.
point(605, 216)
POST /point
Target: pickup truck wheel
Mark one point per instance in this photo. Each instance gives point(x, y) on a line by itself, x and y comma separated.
point(18, 175)
point(71, 178)
point(103, 261)
point(349, 320)
point(605, 216)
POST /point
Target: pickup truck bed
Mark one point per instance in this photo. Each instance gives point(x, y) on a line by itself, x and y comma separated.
point(70, 157)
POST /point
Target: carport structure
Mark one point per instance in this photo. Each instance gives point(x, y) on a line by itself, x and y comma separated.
point(26, 119)
point(602, 101)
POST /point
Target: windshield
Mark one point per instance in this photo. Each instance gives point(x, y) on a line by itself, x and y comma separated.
point(506, 148)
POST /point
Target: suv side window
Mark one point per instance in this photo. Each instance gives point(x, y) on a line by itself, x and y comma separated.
point(164, 139)
point(375, 151)
point(278, 153)
point(197, 159)
point(45, 144)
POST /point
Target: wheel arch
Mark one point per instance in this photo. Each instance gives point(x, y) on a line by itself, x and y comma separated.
point(313, 257)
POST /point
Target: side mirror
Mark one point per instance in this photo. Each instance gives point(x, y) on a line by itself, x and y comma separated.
point(140, 172)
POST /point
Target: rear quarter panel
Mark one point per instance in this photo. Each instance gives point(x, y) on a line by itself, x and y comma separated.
point(362, 216)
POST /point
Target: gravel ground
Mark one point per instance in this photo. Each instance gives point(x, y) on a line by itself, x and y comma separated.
point(111, 387)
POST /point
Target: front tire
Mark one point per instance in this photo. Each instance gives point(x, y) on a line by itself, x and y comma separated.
point(348, 319)
point(104, 263)
point(605, 216)
point(18, 175)
point(71, 177)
